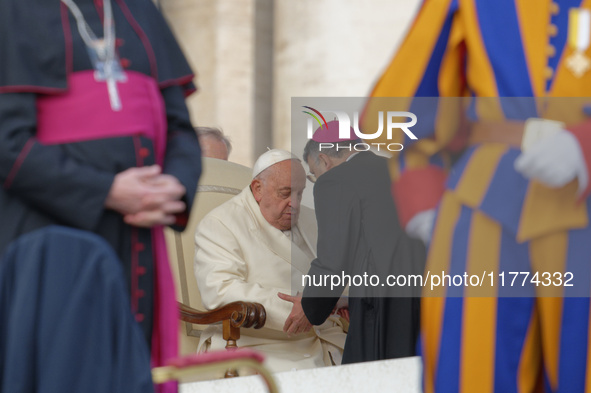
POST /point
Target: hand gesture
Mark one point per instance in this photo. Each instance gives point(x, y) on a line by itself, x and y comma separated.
point(146, 197)
point(296, 322)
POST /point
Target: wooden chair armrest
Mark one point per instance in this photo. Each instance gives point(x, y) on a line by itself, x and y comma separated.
point(239, 314)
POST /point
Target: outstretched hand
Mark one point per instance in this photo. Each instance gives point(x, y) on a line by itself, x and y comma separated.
point(296, 322)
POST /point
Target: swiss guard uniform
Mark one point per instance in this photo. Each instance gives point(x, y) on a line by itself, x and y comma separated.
point(75, 110)
point(496, 213)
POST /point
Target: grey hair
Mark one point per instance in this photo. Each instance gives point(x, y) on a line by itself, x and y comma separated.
point(216, 133)
point(312, 149)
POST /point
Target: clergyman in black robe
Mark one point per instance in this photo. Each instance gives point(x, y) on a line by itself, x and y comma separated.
point(64, 143)
point(359, 234)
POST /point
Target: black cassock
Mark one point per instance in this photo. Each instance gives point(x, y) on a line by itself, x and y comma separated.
point(359, 234)
point(66, 184)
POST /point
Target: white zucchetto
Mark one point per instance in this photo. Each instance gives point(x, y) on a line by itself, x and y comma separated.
point(271, 158)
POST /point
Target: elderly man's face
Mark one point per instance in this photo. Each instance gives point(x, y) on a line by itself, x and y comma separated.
point(280, 192)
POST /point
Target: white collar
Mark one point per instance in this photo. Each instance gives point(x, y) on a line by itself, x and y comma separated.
point(351, 156)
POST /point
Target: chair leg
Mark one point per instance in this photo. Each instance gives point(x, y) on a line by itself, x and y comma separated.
point(231, 334)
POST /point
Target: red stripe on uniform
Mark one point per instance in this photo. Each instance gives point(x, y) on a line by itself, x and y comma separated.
point(19, 161)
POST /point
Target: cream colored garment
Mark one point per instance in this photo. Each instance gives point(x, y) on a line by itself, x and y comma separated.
point(240, 256)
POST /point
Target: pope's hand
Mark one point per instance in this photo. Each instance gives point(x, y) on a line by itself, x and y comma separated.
point(296, 322)
point(554, 161)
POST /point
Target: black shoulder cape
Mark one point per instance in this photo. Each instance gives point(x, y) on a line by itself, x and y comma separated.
point(34, 45)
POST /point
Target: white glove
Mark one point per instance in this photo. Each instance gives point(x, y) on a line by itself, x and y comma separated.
point(554, 161)
point(421, 226)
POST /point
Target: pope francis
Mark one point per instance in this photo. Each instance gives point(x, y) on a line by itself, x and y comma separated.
point(256, 247)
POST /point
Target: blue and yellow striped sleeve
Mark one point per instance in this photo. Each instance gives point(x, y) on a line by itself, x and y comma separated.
point(429, 63)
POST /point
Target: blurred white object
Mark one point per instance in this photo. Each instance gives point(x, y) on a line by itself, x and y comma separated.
point(391, 375)
point(421, 225)
point(554, 161)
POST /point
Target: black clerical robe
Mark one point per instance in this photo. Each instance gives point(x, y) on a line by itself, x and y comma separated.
point(359, 233)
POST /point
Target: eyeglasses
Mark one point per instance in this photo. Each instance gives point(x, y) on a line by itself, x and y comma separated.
point(311, 177)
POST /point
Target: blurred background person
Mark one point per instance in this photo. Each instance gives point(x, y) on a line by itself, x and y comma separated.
point(213, 143)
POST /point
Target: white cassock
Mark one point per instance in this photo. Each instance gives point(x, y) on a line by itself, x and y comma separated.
point(240, 256)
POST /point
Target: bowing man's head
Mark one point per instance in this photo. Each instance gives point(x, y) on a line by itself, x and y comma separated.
point(327, 149)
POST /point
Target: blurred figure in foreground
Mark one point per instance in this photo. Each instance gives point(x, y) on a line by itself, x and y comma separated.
point(516, 197)
point(79, 335)
point(95, 135)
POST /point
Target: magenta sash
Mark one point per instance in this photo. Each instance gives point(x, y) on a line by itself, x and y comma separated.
point(84, 113)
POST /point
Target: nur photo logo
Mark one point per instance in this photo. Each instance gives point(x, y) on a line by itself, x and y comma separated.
point(387, 121)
